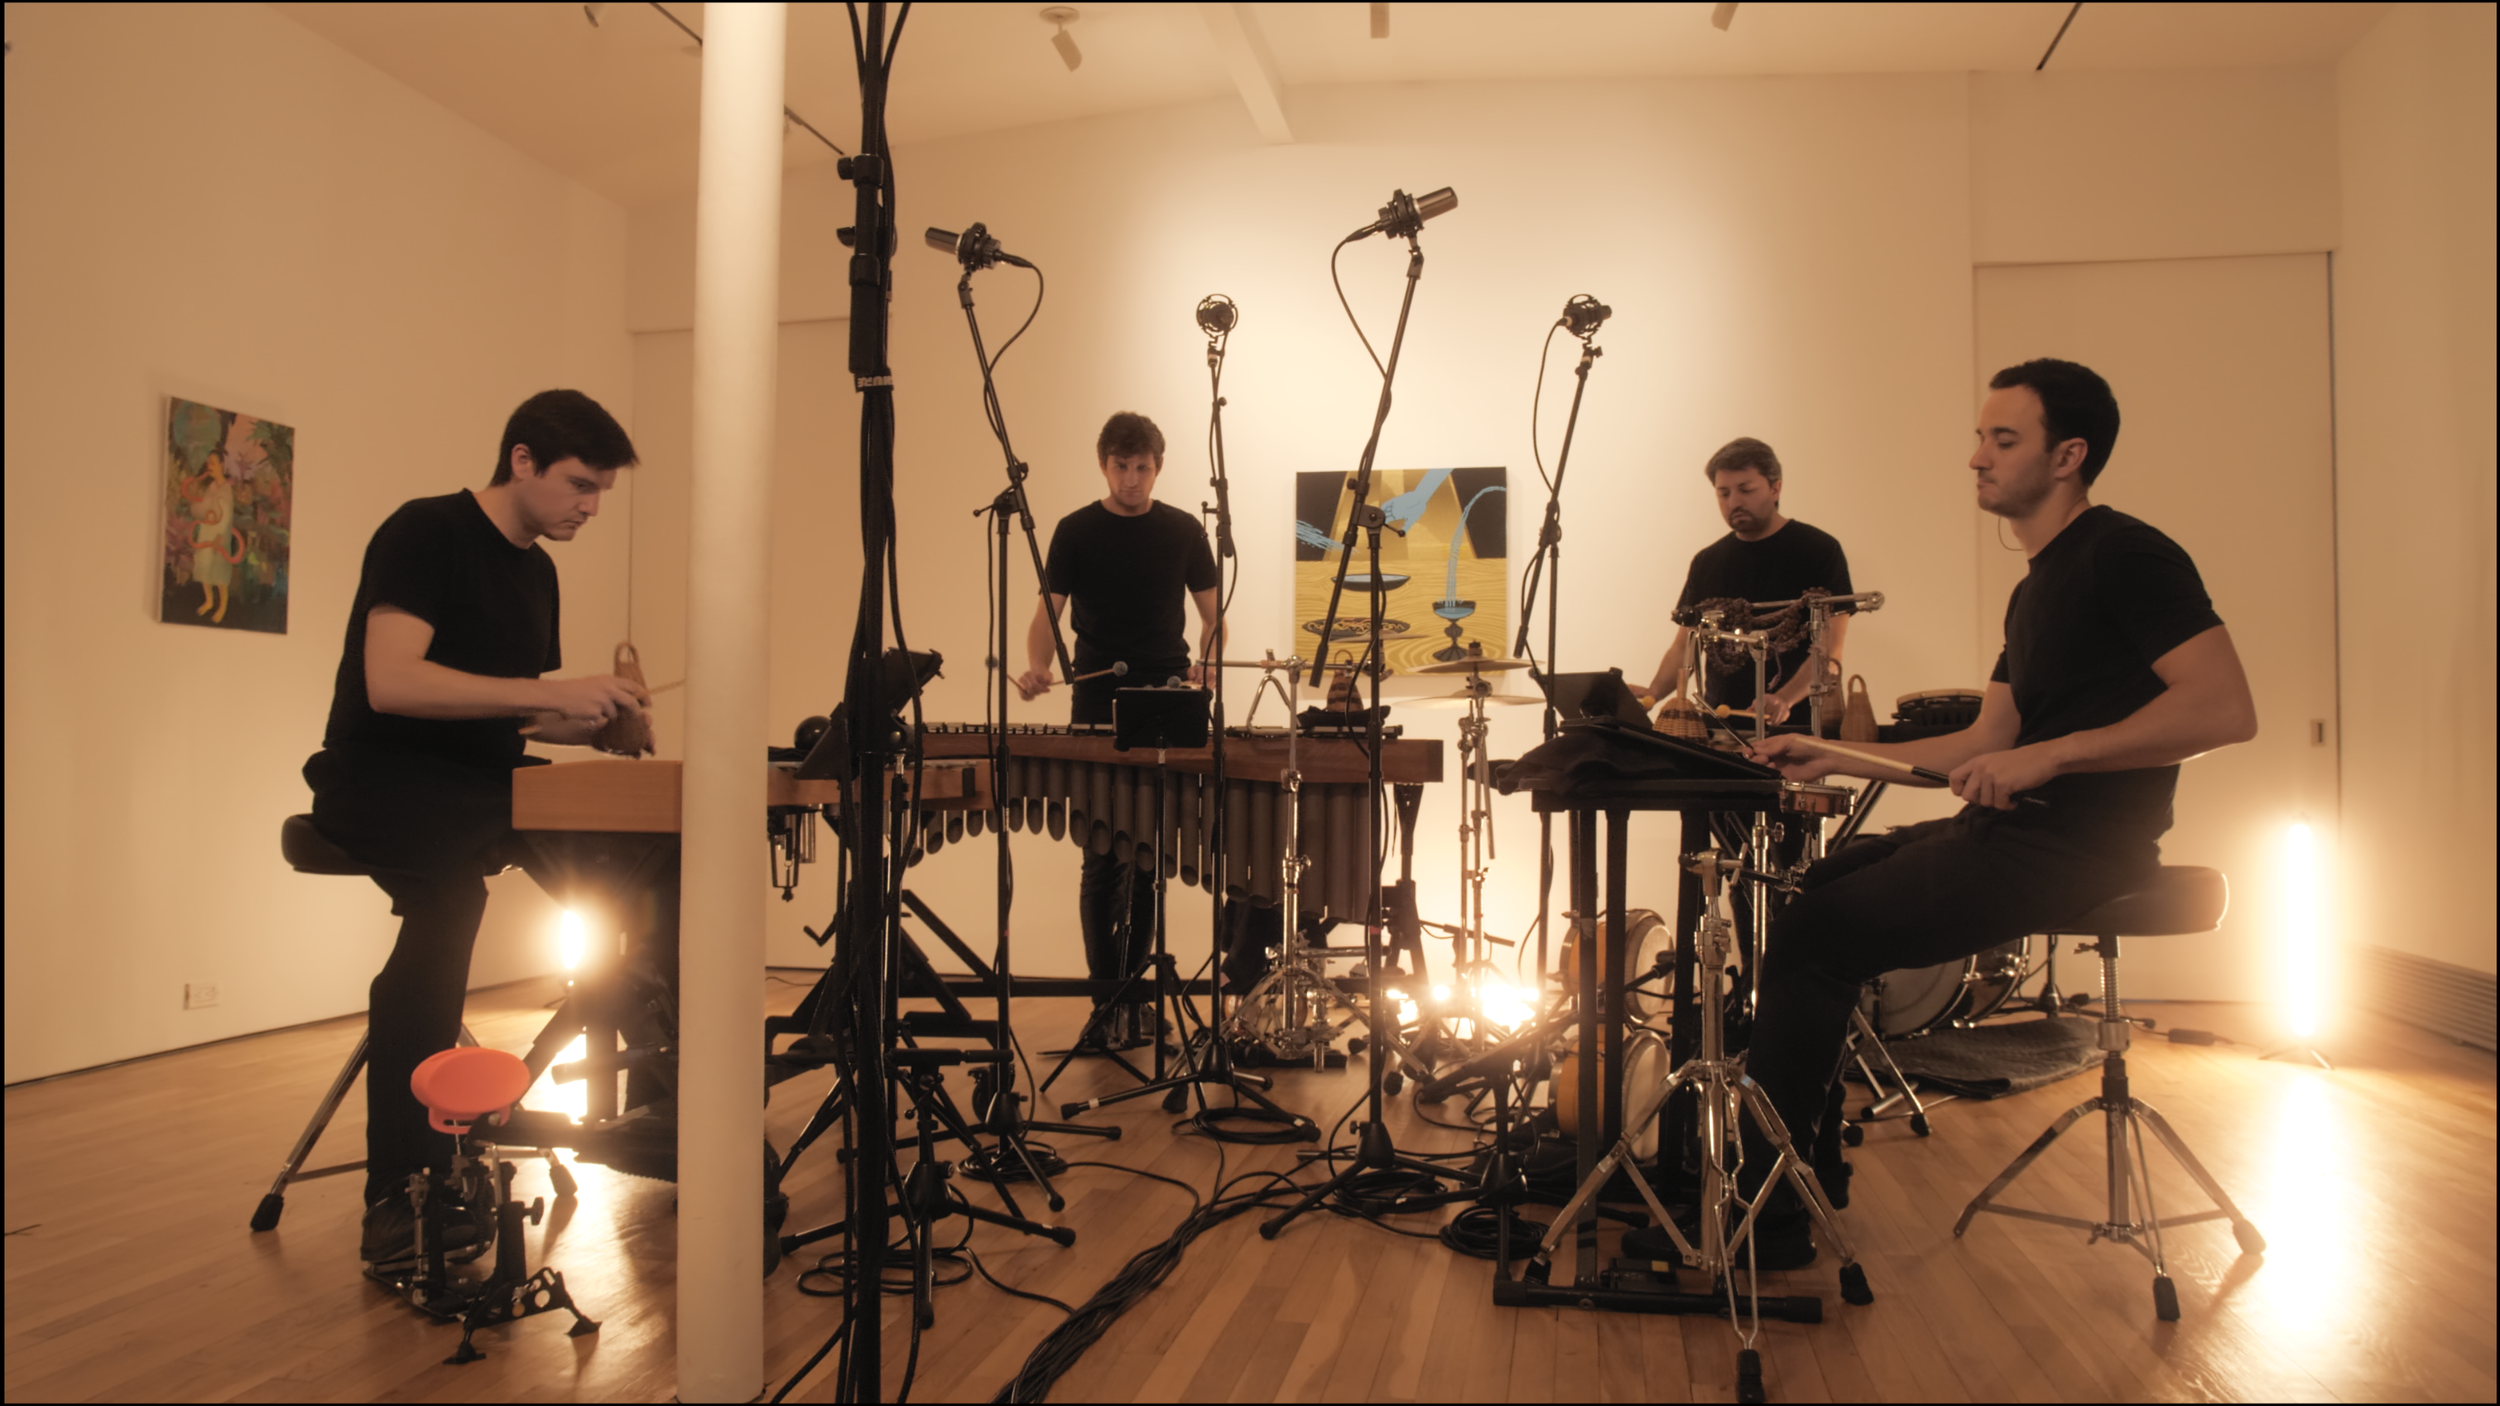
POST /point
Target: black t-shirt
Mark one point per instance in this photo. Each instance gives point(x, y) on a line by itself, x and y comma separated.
point(1782, 566)
point(1125, 579)
point(493, 609)
point(2104, 599)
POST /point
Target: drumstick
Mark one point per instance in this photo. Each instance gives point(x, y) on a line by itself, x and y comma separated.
point(1118, 670)
point(1922, 773)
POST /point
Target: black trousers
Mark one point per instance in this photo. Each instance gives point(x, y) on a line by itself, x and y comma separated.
point(1114, 901)
point(432, 831)
point(1916, 896)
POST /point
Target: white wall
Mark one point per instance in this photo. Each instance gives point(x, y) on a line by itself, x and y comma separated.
point(1789, 258)
point(207, 201)
point(2413, 399)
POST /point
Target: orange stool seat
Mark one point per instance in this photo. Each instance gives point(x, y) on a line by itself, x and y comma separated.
point(460, 1086)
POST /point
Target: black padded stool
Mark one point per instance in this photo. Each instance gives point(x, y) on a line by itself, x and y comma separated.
point(2178, 901)
point(310, 852)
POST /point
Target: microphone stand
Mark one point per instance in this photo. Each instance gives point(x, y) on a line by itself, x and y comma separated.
point(1374, 1151)
point(1008, 510)
point(1208, 1059)
point(1548, 564)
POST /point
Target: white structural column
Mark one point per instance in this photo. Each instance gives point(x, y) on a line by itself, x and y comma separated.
point(720, 1129)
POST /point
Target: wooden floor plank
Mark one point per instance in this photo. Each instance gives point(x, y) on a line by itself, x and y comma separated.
point(130, 1274)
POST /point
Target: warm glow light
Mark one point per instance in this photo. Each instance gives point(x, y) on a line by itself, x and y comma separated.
point(2304, 948)
point(571, 938)
point(1440, 993)
point(573, 1099)
point(1505, 1006)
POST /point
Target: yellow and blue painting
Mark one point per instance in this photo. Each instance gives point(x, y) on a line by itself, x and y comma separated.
point(1444, 580)
point(229, 499)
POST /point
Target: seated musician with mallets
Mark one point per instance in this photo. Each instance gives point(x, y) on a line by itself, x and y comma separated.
point(2115, 670)
point(1126, 562)
point(454, 620)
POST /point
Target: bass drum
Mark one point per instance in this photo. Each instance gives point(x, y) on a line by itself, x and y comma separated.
point(1920, 999)
point(1644, 1069)
point(1648, 970)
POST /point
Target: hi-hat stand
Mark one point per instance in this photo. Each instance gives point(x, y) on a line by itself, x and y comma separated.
point(1727, 1097)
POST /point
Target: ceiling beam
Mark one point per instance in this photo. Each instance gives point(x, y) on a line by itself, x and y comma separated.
point(1254, 73)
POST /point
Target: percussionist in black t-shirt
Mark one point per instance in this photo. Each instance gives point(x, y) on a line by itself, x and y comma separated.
point(2115, 670)
point(1765, 556)
point(1126, 562)
point(455, 618)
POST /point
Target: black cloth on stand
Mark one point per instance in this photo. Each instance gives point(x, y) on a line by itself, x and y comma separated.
point(427, 803)
point(1783, 566)
point(2104, 599)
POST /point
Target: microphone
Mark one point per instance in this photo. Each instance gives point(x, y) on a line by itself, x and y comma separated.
point(1583, 315)
point(974, 247)
point(1217, 315)
point(1405, 214)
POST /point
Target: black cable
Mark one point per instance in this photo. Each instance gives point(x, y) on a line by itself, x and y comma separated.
point(1349, 307)
point(1545, 354)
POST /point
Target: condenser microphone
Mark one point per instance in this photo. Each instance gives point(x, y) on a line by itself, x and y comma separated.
point(1217, 315)
point(1405, 214)
point(1583, 315)
point(973, 248)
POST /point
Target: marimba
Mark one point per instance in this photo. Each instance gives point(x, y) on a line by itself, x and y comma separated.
point(1072, 784)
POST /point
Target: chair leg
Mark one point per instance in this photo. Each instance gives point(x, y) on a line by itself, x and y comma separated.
point(2242, 1229)
point(273, 1204)
point(2021, 1164)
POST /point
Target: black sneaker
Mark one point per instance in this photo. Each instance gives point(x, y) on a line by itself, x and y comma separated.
point(390, 1233)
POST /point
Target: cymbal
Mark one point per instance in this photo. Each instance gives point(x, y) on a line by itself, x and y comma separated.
point(1460, 700)
point(1476, 664)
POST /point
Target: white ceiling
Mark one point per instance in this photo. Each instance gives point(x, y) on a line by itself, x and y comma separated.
point(614, 105)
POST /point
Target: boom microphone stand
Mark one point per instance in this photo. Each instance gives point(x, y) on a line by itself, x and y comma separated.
point(1015, 1154)
point(1581, 316)
point(1207, 1061)
point(1402, 217)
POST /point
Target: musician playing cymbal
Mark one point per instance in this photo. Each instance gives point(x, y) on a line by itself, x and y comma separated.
point(454, 621)
point(2115, 670)
point(1765, 556)
point(1126, 562)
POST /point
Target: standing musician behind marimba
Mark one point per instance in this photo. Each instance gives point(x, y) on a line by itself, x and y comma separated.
point(2115, 670)
point(1126, 562)
point(1765, 556)
point(454, 620)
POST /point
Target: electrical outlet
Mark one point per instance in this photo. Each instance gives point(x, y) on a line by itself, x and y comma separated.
point(198, 995)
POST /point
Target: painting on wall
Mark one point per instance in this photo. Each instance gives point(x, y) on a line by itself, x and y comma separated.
point(229, 498)
point(1444, 574)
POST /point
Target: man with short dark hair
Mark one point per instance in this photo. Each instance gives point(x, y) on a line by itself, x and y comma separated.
point(1126, 562)
point(1765, 556)
point(455, 619)
point(2115, 670)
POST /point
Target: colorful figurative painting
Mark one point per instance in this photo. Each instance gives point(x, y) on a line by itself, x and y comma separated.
point(1444, 575)
point(229, 496)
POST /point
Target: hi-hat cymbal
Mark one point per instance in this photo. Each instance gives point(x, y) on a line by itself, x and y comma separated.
point(1460, 700)
point(1475, 664)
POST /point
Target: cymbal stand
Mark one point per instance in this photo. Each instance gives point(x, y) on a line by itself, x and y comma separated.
point(1469, 939)
point(1287, 1011)
point(1727, 1096)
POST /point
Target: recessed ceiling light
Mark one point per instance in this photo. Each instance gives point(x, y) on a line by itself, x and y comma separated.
point(1059, 17)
